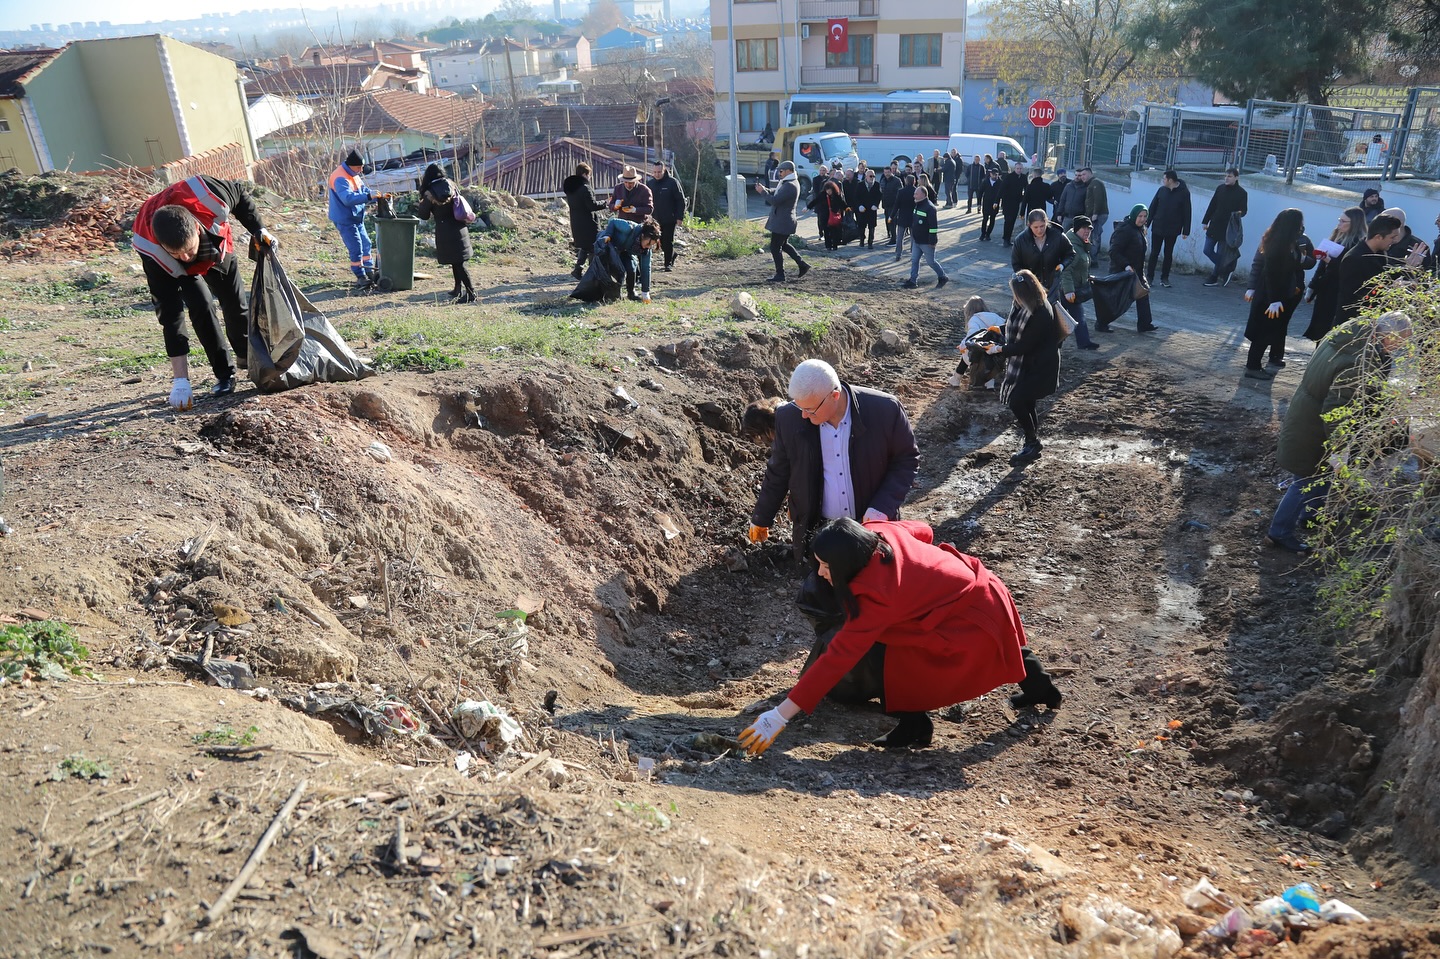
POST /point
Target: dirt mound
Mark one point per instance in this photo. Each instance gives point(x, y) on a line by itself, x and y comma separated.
point(55, 215)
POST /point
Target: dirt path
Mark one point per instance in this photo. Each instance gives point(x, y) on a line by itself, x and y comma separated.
point(1133, 548)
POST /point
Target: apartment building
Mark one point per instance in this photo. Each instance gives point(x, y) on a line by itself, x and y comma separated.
point(781, 50)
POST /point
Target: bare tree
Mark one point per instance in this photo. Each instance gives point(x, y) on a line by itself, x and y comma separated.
point(1078, 54)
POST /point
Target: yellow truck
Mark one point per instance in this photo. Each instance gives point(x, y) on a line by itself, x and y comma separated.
point(804, 145)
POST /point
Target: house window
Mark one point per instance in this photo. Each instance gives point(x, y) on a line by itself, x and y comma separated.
point(756, 114)
point(860, 54)
point(919, 49)
point(4, 125)
point(751, 55)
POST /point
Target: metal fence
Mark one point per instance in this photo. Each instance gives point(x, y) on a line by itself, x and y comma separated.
point(1341, 146)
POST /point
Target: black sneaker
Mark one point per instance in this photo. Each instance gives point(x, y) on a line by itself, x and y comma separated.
point(1213, 281)
point(223, 388)
point(804, 268)
point(941, 282)
point(1165, 283)
point(1251, 373)
point(908, 285)
point(577, 273)
point(774, 279)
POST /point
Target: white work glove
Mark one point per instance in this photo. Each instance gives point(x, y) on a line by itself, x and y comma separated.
point(268, 239)
point(873, 515)
point(993, 348)
point(181, 398)
point(1249, 295)
point(1274, 309)
point(758, 736)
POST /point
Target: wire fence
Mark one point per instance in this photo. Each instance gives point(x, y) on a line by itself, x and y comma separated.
point(1344, 146)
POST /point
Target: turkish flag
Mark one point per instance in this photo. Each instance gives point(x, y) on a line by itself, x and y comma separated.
point(837, 35)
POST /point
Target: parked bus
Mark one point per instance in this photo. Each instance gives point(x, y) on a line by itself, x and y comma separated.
point(896, 126)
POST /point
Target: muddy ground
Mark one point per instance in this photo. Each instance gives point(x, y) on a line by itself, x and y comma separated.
point(1214, 726)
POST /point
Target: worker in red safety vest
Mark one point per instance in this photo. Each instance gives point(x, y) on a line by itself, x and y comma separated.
point(348, 197)
point(184, 235)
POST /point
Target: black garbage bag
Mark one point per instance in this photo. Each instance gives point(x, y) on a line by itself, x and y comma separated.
point(603, 277)
point(291, 342)
point(850, 228)
point(1113, 295)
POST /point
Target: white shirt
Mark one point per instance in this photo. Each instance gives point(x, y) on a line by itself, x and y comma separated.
point(838, 493)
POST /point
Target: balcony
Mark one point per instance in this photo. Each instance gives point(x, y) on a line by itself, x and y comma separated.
point(839, 76)
point(826, 9)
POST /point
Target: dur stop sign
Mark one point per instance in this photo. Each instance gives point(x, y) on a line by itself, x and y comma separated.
point(1042, 113)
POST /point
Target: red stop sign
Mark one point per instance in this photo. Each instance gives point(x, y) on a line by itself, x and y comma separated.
point(1042, 113)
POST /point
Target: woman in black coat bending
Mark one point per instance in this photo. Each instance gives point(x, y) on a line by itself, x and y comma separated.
point(452, 236)
point(1043, 250)
point(1032, 354)
point(583, 207)
point(1277, 284)
point(1127, 255)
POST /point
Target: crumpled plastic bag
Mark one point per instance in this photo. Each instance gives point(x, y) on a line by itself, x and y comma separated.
point(1109, 922)
point(488, 723)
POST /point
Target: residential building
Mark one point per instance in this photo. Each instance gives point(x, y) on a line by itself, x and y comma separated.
point(270, 112)
point(409, 58)
point(329, 78)
point(21, 146)
point(568, 53)
point(780, 50)
point(129, 101)
point(385, 124)
point(482, 67)
point(623, 42)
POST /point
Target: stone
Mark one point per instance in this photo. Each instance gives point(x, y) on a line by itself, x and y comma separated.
point(525, 202)
point(502, 220)
point(743, 307)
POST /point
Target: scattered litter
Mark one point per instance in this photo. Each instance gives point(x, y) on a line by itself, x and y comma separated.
point(1098, 633)
point(1204, 897)
point(1333, 910)
point(667, 526)
point(646, 767)
point(378, 452)
point(380, 718)
point(1302, 896)
point(463, 762)
point(5, 528)
point(1232, 923)
point(229, 674)
point(626, 398)
point(488, 723)
point(1108, 922)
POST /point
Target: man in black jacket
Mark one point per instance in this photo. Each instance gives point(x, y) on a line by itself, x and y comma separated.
point(1363, 262)
point(839, 450)
point(868, 196)
point(889, 198)
point(1169, 220)
point(1230, 198)
point(184, 237)
point(950, 175)
point(669, 201)
point(975, 181)
point(1057, 189)
point(1012, 194)
point(990, 203)
point(583, 207)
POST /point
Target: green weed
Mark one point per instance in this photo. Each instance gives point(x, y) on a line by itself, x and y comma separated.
point(130, 361)
point(226, 736)
point(770, 312)
point(45, 650)
point(646, 813)
point(417, 336)
point(417, 359)
point(78, 767)
point(732, 239)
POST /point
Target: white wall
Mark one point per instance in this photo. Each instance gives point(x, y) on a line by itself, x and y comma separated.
point(1322, 205)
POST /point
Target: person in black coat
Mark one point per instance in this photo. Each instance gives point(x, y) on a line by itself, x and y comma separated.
point(583, 207)
point(990, 203)
point(1325, 283)
point(1169, 220)
point(1032, 360)
point(452, 236)
point(1057, 189)
point(904, 213)
point(868, 197)
point(817, 187)
point(1012, 195)
point(890, 199)
point(1277, 285)
point(950, 176)
point(829, 207)
point(1127, 255)
point(975, 181)
point(1230, 198)
point(1037, 193)
point(1043, 250)
point(668, 198)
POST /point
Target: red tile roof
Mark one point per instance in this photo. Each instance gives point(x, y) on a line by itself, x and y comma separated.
point(17, 66)
point(982, 57)
point(397, 111)
point(341, 77)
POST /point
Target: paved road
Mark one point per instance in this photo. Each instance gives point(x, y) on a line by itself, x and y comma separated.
point(1201, 329)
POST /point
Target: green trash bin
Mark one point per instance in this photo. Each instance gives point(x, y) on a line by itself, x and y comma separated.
point(395, 245)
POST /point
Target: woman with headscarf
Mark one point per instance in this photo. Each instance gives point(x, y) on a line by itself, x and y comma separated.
point(452, 236)
point(1127, 255)
point(1325, 284)
point(1032, 354)
point(937, 626)
point(1277, 285)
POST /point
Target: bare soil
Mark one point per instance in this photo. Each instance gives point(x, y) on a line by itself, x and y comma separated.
point(1213, 725)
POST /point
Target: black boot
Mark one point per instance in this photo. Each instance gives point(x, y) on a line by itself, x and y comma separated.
point(915, 730)
point(1029, 453)
point(1036, 688)
point(457, 291)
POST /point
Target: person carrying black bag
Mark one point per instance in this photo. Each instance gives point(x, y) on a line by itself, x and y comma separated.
point(583, 207)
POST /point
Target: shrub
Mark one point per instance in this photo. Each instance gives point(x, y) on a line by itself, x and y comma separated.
point(43, 650)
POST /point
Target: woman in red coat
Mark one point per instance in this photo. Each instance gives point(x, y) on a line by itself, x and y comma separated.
point(948, 629)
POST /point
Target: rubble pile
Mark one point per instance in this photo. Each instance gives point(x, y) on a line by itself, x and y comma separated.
point(63, 216)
